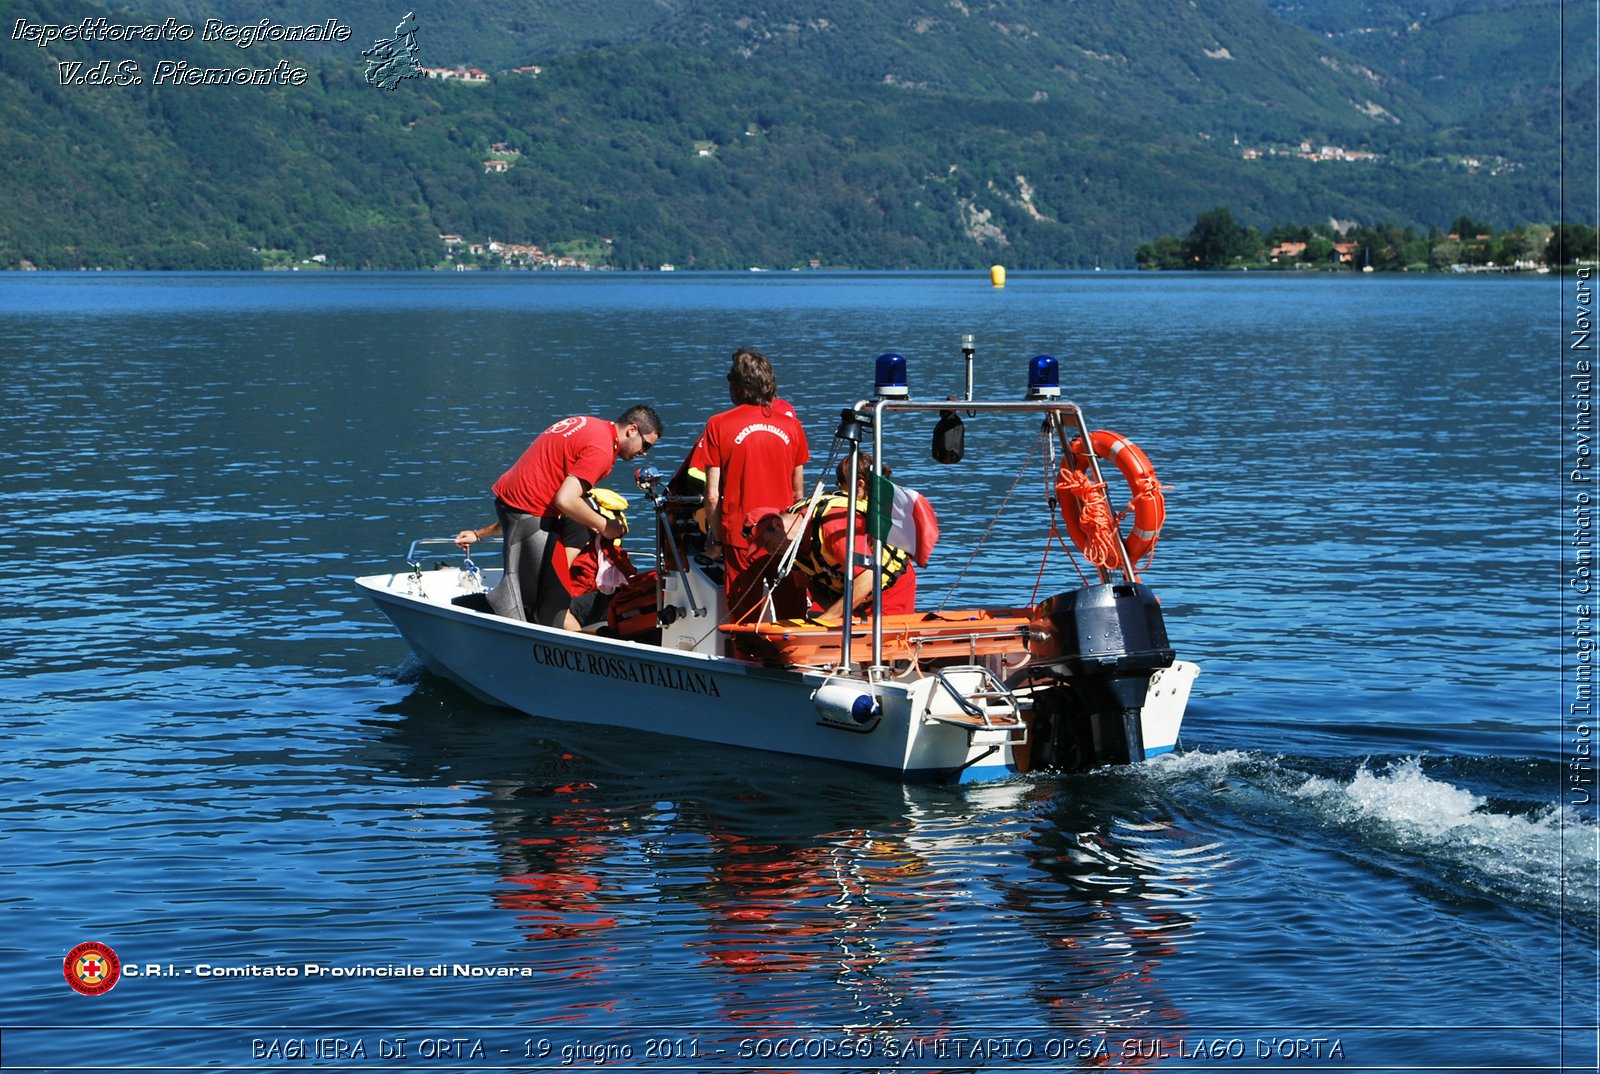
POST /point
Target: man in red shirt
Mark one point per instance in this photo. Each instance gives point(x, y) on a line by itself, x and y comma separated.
point(755, 454)
point(542, 513)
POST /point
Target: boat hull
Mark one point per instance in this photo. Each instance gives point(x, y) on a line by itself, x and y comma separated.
point(590, 679)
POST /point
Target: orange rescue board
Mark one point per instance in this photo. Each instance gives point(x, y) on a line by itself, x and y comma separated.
point(946, 635)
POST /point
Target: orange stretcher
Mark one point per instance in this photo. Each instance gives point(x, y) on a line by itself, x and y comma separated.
point(918, 636)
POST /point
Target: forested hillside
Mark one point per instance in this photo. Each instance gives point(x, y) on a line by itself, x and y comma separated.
point(707, 134)
point(1497, 71)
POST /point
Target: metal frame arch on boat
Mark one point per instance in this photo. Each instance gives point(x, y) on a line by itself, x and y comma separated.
point(1148, 504)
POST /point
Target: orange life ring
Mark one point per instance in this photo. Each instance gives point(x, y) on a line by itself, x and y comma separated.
point(1088, 516)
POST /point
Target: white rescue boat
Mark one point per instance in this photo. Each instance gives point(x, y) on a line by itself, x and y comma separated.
point(1082, 679)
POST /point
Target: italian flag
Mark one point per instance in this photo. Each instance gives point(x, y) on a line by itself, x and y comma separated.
point(901, 517)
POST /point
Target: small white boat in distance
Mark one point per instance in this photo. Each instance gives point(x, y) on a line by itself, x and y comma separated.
point(1083, 679)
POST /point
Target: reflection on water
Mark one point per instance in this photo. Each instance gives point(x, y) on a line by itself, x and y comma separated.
point(877, 909)
point(874, 907)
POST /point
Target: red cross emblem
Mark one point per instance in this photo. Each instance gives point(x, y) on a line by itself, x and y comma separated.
point(92, 968)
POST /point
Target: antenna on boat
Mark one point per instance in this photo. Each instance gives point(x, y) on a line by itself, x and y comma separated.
point(967, 351)
point(949, 435)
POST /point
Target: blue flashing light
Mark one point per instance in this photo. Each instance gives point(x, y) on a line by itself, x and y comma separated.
point(1044, 377)
point(891, 377)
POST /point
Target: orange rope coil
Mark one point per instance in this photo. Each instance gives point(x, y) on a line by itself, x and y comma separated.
point(1087, 513)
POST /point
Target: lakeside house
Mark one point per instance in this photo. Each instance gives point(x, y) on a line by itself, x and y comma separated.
point(1306, 151)
point(1344, 252)
point(511, 254)
point(457, 74)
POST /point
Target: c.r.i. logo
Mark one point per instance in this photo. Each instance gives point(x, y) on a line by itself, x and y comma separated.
point(92, 968)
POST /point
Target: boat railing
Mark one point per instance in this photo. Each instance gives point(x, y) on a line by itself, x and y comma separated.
point(989, 707)
point(429, 551)
point(1062, 417)
point(418, 552)
point(426, 552)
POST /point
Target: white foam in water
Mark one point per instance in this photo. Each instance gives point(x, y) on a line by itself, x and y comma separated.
point(1510, 853)
point(1541, 857)
point(1191, 763)
point(1404, 798)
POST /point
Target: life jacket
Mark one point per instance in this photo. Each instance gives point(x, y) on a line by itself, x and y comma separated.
point(826, 574)
point(601, 564)
point(610, 505)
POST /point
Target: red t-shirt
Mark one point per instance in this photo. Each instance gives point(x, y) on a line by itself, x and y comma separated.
point(585, 448)
point(757, 449)
point(699, 456)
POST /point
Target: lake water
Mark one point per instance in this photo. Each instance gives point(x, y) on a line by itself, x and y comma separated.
point(219, 761)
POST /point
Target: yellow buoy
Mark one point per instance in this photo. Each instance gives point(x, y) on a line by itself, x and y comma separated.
point(997, 275)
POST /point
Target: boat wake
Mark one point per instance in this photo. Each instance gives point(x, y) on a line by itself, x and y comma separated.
point(1537, 856)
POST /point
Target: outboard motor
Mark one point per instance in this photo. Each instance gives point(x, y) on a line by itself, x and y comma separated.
point(1103, 642)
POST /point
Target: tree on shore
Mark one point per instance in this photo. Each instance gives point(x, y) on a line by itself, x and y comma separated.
point(1165, 253)
point(1217, 241)
point(1571, 243)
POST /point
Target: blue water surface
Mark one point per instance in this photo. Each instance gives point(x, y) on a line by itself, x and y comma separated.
point(222, 763)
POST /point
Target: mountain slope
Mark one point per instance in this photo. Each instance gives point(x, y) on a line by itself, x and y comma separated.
point(719, 134)
point(1463, 56)
point(1511, 78)
point(1224, 58)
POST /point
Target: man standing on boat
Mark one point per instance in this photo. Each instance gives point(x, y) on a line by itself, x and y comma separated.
point(691, 477)
point(755, 453)
point(543, 516)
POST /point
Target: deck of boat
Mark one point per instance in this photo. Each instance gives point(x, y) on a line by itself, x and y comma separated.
point(913, 638)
